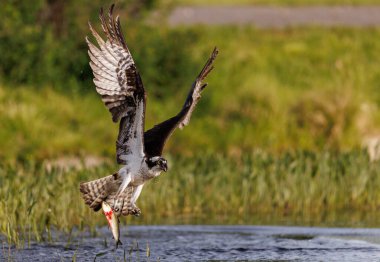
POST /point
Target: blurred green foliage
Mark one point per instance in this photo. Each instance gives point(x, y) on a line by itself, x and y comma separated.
point(39, 46)
point(304, 88)
point(42, 42)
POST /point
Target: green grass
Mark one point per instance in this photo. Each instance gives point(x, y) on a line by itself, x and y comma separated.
point(205, 188)
point(280, 2)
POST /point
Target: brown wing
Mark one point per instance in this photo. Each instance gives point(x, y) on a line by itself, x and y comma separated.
point(119, 84)
point(156, 137)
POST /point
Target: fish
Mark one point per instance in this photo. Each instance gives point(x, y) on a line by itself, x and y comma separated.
point(113, 222)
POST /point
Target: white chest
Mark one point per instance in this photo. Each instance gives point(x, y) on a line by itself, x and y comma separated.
point(139, 172)
point(144, 174)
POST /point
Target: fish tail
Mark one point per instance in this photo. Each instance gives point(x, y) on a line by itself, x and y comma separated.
point(118, 242)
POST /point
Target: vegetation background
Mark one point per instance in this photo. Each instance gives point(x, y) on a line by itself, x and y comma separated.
point(278, 135)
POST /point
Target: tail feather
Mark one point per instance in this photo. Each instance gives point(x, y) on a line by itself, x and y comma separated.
point(96, 191)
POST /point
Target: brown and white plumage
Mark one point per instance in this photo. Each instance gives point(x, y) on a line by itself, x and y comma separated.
point(95, 192)
point(105, 189)
point(118, 82)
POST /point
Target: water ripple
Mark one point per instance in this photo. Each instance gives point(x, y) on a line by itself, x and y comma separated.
point(180, 243)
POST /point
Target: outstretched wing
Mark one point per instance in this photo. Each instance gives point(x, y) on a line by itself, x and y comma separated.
point(156, 137)
point(119, 84)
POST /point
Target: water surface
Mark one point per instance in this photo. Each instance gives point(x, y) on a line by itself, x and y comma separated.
point(179, 243)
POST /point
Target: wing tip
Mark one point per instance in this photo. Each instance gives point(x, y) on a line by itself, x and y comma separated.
point(198, 87)
point(208, 67)
point(111, 9)
point(215, 52)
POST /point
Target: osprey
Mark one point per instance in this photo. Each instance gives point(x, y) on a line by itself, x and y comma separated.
point(118, 82)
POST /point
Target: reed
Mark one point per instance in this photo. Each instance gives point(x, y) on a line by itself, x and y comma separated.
point(201, 189)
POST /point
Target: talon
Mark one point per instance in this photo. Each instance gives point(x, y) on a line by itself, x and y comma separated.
point(136, 211)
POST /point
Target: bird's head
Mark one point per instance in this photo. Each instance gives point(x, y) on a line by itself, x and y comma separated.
point(157, 164)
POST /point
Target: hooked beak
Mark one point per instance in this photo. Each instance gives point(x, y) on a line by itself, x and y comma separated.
point(165, 166)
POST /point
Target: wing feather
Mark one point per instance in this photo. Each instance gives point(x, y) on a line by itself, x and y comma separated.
point(110, 99)
point(118, 81)
point(98, 59)
point(105, 47)
point(156, 137)
point(102, 71)
point(100, 75)
point(100, 62)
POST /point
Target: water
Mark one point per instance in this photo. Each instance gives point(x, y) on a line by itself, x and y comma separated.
point(179, 243)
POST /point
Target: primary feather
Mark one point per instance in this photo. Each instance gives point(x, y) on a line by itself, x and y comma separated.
point(119, 84)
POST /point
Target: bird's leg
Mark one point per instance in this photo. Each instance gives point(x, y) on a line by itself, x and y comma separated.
point(119, 201)
point(134, 210)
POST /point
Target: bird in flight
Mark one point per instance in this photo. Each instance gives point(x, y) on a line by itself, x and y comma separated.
point(119, 84)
